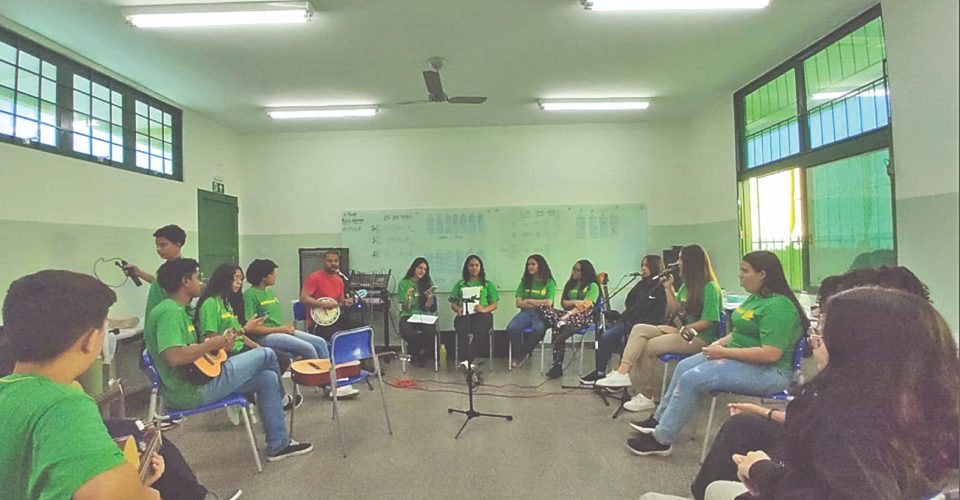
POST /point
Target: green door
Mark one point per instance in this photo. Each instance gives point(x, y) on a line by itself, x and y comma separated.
point(219, 234)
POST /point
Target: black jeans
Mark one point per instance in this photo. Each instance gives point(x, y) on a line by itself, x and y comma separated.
point(178, 481)
point(477, 325)
point(740, 434)
point(419, 338)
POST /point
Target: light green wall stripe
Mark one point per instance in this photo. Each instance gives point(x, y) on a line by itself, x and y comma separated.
point(28, 247)
point(928, 242)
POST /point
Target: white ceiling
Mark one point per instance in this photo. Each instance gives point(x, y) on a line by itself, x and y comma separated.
point(372, 51)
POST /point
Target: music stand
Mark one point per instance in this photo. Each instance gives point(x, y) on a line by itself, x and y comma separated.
point(471, 413)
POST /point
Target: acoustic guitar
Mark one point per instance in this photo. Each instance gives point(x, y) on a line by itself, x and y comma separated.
point(316, 372)
point(209, 365)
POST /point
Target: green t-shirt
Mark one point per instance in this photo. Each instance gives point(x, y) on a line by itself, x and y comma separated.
point(402, 287)
point(155, 295)
point(589, 292)
point(488, 292)
point(169, 326)
point(772, 321)
point(257, 302)
point(538, 290)
point(52, 439)
point(217, 316)
point(712, 302)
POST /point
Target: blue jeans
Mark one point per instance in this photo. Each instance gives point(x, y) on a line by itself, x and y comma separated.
point(612, 340)
point(299, 344)
point(254, 371)
point(526, 318)
point(696, 376)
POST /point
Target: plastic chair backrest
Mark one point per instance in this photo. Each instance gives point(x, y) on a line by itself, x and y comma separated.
point(798, 352)
point(351, 345)
point(151, 369)
point(722, 324)
point(299, 311)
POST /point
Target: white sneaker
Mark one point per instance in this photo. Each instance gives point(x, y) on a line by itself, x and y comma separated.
point(615, 379)
point(346, 392)
point(639, 403)
point(233, 413)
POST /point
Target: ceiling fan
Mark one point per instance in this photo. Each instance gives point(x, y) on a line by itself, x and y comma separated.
point(435, 93)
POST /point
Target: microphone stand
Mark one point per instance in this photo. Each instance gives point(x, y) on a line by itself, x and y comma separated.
point(471, 413)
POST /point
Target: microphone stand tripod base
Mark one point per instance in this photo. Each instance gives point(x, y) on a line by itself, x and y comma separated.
point(471, 413)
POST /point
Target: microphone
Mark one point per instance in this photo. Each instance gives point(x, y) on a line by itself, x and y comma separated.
point(666, 272)
point(634, 275)
point(345, 278)
point(124, 265)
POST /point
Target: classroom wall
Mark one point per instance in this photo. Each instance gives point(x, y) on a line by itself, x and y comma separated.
point(63, 213)
point(922, 52)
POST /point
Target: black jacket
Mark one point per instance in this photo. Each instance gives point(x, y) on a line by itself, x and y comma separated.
point(646, 303)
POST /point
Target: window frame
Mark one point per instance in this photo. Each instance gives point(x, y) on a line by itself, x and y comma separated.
point(855, 145)
point(66, 69)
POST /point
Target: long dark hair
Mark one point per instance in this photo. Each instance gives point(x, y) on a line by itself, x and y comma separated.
point(697, 271)
point(587, 275)
point(543, 271)
point(424, 283)
point(775, 280)
point(654, 262)
point(466, 272)
point(220, 286)
point(893, 360)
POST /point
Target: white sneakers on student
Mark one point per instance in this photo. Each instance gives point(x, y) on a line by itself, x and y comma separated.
point(345, 392)
point(639, 403)
point(615, 379)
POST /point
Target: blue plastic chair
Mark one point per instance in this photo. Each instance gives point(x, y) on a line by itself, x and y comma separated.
point(670, 357)
point(232, 400)
point(354, 345)
point(779, 396)
point(299, 312)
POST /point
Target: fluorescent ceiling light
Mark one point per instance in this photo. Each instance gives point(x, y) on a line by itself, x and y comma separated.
point(321, 112)
point(829, 96)
point(603, 104)
point(672, 4)
point(219, 14)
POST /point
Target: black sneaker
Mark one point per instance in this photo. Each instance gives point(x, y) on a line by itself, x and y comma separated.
point(555, 372)
point(293, 449)
point(592, 377)
point(291, 401)
point(645, 426)
point(645, 445)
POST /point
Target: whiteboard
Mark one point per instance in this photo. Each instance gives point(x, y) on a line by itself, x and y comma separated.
point(613, 237)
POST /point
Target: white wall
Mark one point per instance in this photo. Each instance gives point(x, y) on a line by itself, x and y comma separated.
point(64, 213)
point(321, 174)
point(922, 52)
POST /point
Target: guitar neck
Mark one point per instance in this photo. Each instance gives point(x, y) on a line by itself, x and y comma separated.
point(153, 444)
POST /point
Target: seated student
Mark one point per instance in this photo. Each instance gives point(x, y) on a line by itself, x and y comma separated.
point(880, 420)
point(479, 323)
point(273, 332)
point(645, 304)
point(755, 358)
point(752, 427)
point(178, 480)
point(696, 305)
point(537, 288)
point(169, 241)
point(415, 291)
point(54, 321)
point(172, 341)
point(580, 293)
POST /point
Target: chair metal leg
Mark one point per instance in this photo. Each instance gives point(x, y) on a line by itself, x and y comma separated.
point(253, 443)
point(706, 434)
point(583, 340)
point(490, 345)
point(293, 409)
point(510, 353)
point(383, 399)
point(436, 352)
point(336, 417)
point(403, 359)
point(666, 376)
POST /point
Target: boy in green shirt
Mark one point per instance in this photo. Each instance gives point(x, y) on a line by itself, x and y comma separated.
point(54, 321)
point(169, 240)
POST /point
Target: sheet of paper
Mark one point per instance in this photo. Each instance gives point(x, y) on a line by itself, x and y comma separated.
point(471, 298)
point(424, 319)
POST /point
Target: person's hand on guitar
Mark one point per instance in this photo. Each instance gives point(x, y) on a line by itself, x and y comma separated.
point(217, 342)
point(326, 303)
point(157, 466)
point(348, 301)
